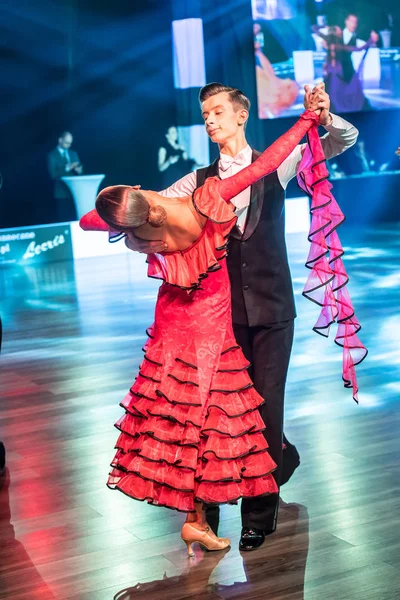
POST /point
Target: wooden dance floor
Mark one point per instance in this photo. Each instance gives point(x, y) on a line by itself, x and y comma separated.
point(72, 345)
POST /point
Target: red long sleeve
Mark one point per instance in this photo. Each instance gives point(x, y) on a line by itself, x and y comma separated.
point(93, 222)
point(270, 159)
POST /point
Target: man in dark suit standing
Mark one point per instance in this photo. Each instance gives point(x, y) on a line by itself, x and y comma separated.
point(61, 162)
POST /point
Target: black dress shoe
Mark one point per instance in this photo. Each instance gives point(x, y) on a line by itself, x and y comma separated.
point(252, 538)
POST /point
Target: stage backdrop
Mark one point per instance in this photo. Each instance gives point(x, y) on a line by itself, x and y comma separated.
point(101, 70)
point(117, 76)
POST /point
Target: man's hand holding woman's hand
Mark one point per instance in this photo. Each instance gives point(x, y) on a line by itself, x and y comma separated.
point(318, 100)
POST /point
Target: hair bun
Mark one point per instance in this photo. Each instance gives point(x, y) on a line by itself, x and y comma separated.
point(157, 216)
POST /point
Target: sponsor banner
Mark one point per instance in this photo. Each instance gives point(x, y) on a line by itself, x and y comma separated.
point(38, 244)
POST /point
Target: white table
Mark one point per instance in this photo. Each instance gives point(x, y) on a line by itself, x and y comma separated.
point(84, 191)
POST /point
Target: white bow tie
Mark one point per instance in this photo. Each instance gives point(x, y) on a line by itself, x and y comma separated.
point(226, 161)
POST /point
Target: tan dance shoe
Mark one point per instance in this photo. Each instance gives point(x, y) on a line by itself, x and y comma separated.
point(205, 536)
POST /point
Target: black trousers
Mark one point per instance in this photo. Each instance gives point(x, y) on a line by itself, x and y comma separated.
point(268, 349)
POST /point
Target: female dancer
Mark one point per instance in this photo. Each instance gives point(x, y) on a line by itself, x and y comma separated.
point(191, 434)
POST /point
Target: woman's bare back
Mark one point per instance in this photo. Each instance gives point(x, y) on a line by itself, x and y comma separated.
point(182, 228)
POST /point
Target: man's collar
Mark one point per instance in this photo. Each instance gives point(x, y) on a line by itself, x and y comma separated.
point(245, 152)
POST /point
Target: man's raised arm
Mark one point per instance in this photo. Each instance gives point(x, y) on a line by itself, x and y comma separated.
point(340, 135)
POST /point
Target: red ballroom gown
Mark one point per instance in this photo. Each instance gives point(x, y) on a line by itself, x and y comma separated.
point(191, 428)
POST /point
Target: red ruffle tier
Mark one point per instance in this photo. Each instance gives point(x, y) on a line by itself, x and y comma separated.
point(172, 449)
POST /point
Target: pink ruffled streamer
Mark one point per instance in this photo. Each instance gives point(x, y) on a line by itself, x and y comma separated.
point(327, 281)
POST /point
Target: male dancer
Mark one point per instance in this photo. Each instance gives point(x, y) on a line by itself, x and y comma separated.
point(263, 309)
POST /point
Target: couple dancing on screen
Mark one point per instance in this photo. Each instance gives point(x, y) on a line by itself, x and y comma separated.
point(343, 82)
point(192, 436)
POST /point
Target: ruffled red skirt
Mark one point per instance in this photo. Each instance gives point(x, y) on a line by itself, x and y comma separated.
point(191, 429)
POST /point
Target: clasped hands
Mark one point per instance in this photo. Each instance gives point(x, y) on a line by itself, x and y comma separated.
point(75, 166)
point(318, 100)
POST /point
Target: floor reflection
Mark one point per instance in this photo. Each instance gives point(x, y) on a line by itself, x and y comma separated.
point(193, 584)
point(278, 568)
point(33, 295)
point(72, 345)
point(19, 578)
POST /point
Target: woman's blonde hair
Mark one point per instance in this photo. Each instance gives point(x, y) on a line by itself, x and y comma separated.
point(123, 207)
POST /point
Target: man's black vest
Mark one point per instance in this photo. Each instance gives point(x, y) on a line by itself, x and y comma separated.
point(346, 60)
point(258, 267)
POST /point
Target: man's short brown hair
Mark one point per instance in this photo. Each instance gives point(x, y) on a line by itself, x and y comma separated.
point(236, 96)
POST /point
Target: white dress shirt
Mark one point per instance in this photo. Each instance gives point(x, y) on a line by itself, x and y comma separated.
point(340, 136)
point(347, 35)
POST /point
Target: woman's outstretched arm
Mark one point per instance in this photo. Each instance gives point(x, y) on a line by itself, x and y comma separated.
point(270, 159)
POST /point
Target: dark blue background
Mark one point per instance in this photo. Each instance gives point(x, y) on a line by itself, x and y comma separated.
point(104, 71)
